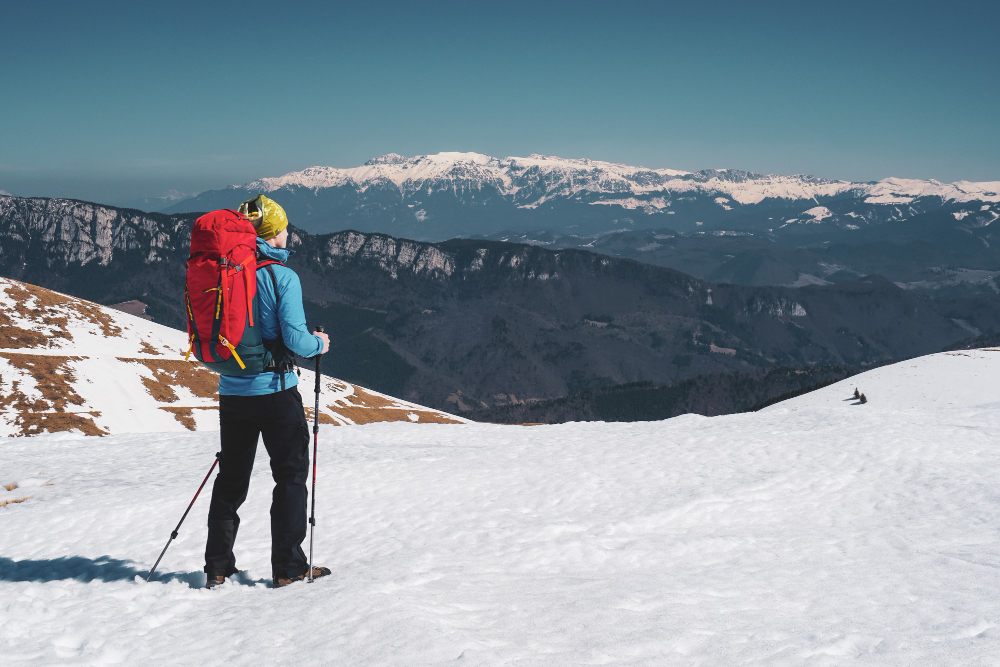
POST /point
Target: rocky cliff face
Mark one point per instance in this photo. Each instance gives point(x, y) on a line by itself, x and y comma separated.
point(477, 322)
point(64, 232)
point(390, 254)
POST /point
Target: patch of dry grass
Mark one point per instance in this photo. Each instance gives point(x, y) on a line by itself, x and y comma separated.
point(11, 486)
point(186, 415)
point(363, 407)
point(169, 372)
point(149, 349)
point(53, 376)
point(323, 417)
point(53, 422)
point(4, 503)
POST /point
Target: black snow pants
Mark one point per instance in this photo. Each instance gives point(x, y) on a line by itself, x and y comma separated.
point(279, 417)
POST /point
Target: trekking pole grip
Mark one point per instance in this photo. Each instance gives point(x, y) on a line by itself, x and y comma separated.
point(319, 328)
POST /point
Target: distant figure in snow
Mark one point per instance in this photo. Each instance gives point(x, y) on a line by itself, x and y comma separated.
point(863, 399)
point(267, 404)
point(856, 393)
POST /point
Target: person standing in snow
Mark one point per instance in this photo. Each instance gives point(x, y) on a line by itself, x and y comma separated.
point(267, 404)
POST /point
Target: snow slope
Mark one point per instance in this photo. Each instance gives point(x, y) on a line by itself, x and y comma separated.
point(71, 365)
point(815, 532)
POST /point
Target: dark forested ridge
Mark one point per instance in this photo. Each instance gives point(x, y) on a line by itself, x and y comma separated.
point(949, 251)
point(469, 324)
point(710, 395)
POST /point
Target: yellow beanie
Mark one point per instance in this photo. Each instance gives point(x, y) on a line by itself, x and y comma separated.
point(267, 217)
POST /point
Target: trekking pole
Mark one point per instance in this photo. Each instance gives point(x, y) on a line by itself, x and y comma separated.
point(174, 534)
point(312, 517)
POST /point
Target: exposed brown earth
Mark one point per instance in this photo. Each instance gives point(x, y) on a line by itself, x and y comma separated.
point(323, 417)
point(14, 337)
point(369, 400)
point(168, 373)
point(35, 423)
point(4, 503)
point(53, 376)
point(42, 305)
point(367, 408)
point(186, 415)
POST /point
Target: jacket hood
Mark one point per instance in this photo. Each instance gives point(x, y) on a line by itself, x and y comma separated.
point(265, 250)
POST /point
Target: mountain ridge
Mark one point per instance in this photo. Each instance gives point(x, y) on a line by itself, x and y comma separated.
point(426, 167)
point(446, 195)
point(479, 323)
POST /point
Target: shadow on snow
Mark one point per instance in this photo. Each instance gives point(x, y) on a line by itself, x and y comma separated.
point(103, 568)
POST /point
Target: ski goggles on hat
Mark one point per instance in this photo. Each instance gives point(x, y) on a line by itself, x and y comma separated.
point(253, 208)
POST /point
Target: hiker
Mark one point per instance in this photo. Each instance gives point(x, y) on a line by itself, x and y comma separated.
point(267, 404)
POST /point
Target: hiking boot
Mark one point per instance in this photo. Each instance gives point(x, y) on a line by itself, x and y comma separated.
point(219, 579)
point(280, 582)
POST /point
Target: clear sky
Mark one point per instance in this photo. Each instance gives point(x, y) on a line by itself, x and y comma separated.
point(110, 101)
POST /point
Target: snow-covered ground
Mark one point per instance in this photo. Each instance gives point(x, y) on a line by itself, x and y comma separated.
point(815, 532)
point(69, 364)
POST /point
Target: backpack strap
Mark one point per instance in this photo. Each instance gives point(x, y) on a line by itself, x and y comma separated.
point(281, 361)
point(268, 262)
point(274, 281)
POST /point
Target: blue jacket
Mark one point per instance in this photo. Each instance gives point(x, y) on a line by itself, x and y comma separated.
point(289, 322)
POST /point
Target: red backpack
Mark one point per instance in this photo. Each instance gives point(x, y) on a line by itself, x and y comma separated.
point(220, 292)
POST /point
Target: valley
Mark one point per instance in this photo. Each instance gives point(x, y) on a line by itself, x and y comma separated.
point(473, 324)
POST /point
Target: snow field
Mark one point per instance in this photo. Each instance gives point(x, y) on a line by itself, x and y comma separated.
point(816, 532)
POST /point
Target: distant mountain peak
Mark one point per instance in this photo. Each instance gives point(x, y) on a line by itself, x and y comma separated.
point(389, 158)
point(511, 175)
point(455, 193)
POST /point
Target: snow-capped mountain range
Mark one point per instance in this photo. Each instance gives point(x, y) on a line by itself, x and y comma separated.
point(455, 194)
point(564, 177)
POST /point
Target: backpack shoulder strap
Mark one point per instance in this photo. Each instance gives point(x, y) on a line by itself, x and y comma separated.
point(274, 279)
point(267, 262)
point(286, 362)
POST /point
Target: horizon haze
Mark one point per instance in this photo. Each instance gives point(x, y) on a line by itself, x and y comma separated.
point(119, 102)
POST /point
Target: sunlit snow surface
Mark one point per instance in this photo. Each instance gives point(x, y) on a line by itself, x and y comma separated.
point(815, 532)
point(69, 364)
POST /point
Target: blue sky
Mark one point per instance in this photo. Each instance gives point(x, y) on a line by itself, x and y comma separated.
point(110, 101)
